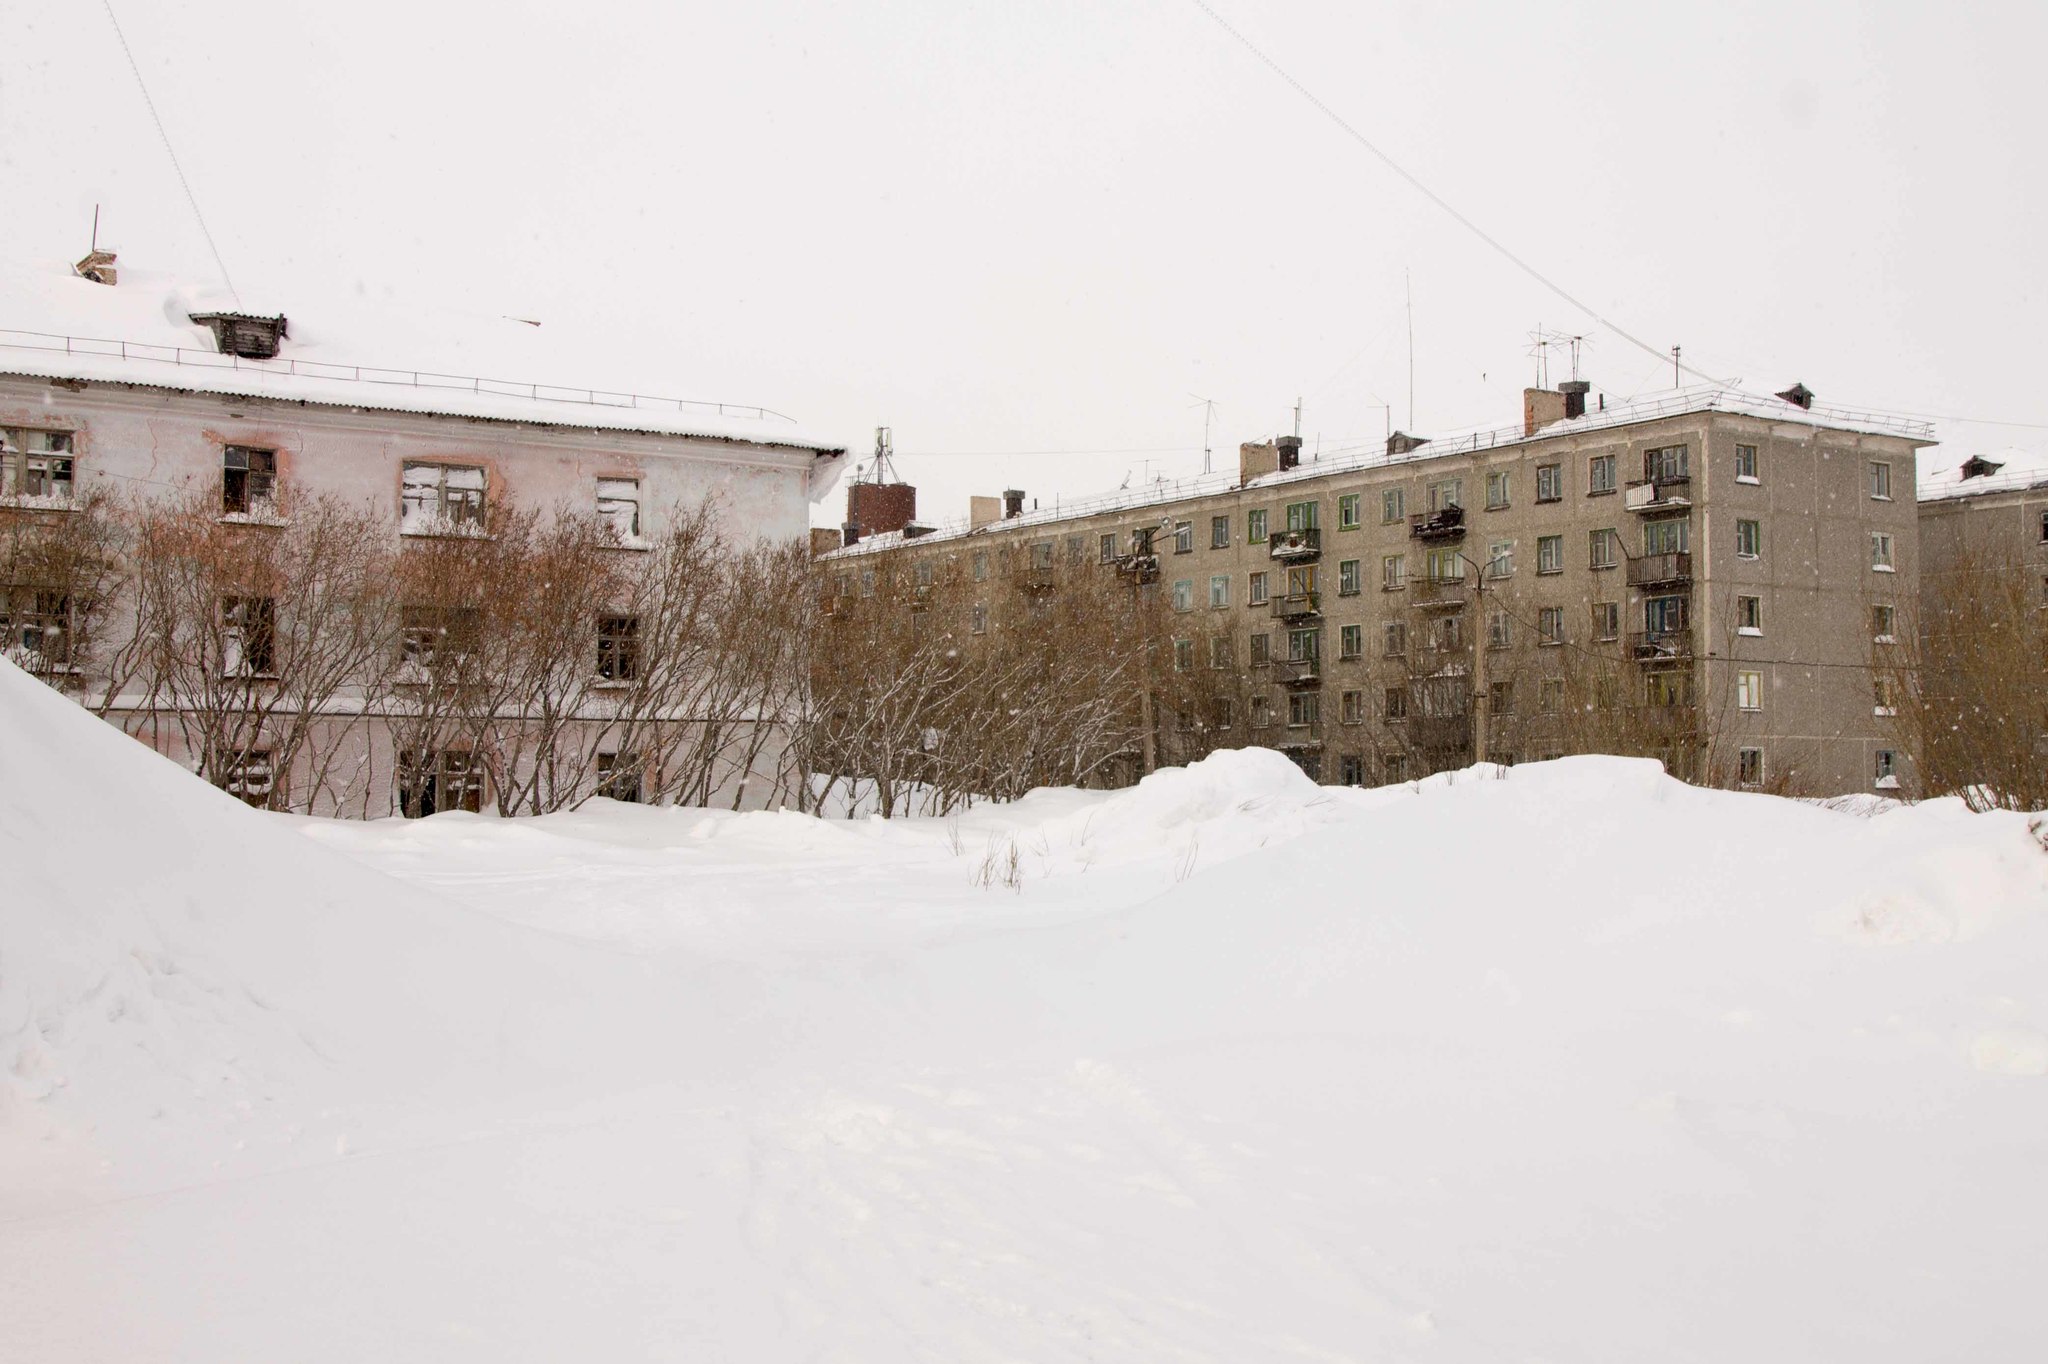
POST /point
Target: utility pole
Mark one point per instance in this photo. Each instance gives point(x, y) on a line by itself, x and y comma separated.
point(1482, 693)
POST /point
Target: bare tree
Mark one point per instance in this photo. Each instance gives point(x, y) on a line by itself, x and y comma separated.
point(1966, 681)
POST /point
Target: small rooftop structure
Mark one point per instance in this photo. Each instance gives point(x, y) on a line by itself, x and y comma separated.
point(252, 338)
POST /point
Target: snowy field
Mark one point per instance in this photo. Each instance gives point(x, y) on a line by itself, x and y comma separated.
point(1568, 1063)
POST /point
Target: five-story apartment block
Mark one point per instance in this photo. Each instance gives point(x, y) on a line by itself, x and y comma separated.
point(1704, 578)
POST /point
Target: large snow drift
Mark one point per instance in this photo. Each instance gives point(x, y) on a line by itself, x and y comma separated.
point(1567, 1062)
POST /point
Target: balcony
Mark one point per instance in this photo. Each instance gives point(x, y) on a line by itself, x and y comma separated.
point(1297, 606)
point(1295, 544)
point(1035, 578)
point(1436, 592)
point(1661, 646)
point(1143, 568)
point(1657, 495)
point(1298, 672)
point(1660, 570)
point(1440, 733)
point(1445, 523)
point(1299, 737)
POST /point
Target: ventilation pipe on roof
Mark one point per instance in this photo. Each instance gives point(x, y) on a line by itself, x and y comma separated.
point(1013, 503)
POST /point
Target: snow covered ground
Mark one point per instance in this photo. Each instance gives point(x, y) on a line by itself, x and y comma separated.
point(1568, 1063)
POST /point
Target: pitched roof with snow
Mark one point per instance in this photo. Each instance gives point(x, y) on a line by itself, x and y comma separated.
point(55, 325)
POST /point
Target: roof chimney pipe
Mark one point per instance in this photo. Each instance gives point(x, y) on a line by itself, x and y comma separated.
point(1013, 503)
point(1290, 452)
point(1575, 391)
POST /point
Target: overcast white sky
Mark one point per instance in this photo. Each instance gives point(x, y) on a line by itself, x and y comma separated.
point(1049, 226)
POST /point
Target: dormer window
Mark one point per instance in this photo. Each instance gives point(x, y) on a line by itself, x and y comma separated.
point(252, 338)
point(1976, 466)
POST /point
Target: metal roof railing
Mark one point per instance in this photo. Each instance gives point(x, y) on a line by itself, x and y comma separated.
point(366, 374)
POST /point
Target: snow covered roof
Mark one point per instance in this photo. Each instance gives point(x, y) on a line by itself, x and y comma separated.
point(56, 325)
point(1941, 478)
point(1474, 440)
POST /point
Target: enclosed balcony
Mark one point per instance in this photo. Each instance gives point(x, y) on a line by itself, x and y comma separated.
point(1299, 672)
point(1295, 545)
point(1440, 733)
point(1445, 523)
point(1664, 494)
point(1661, 646)
point(1660, 570)
point(1297, 606)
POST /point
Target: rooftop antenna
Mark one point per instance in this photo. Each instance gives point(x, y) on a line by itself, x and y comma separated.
point(1409, 285)
point(1676, 382)
point(1208, 415)
point(95, 227)
point(1575, 342)
point(885, 449)
point(1297, 418)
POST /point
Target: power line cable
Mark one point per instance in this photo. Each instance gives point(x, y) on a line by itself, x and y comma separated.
point(1444, 204)
point(157, 118)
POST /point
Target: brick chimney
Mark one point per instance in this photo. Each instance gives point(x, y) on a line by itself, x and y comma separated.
point(1257, 458)
point(823, 540)
point(983, 511)
point(1013, 503)
point(1290, 452)
point(1541, 407)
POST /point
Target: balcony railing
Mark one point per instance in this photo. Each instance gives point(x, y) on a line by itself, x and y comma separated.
point(1300, 736)
point(1143, 567)
point(1298, 672)
point(1657, 495)
point(1442, 733)
point(1660, 570)
point(1297, 605)
point(1661, 646)
point(1306, 543)
point(1436, 591)
point(1445, 523)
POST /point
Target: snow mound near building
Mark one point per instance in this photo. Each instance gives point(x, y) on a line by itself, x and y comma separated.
point(178, 968)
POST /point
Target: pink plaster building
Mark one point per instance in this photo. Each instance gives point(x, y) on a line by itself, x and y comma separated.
point(160, 392)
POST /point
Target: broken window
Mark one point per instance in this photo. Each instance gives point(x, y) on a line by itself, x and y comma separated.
point(35, 628)
point(248, 636)
point(248, 481)
point(36, 464)
point(618, 777)
point(437, 636)
point(251, 780)
point(432, 780)
point(441, 497)
point(618, 508)
point(618, 648)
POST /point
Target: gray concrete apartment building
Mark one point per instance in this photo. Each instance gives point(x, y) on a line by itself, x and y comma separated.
point(1704, 577)
point(1987, 512)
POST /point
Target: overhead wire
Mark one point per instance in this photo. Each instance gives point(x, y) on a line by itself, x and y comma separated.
point(171, 151)
point(1416, 183)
